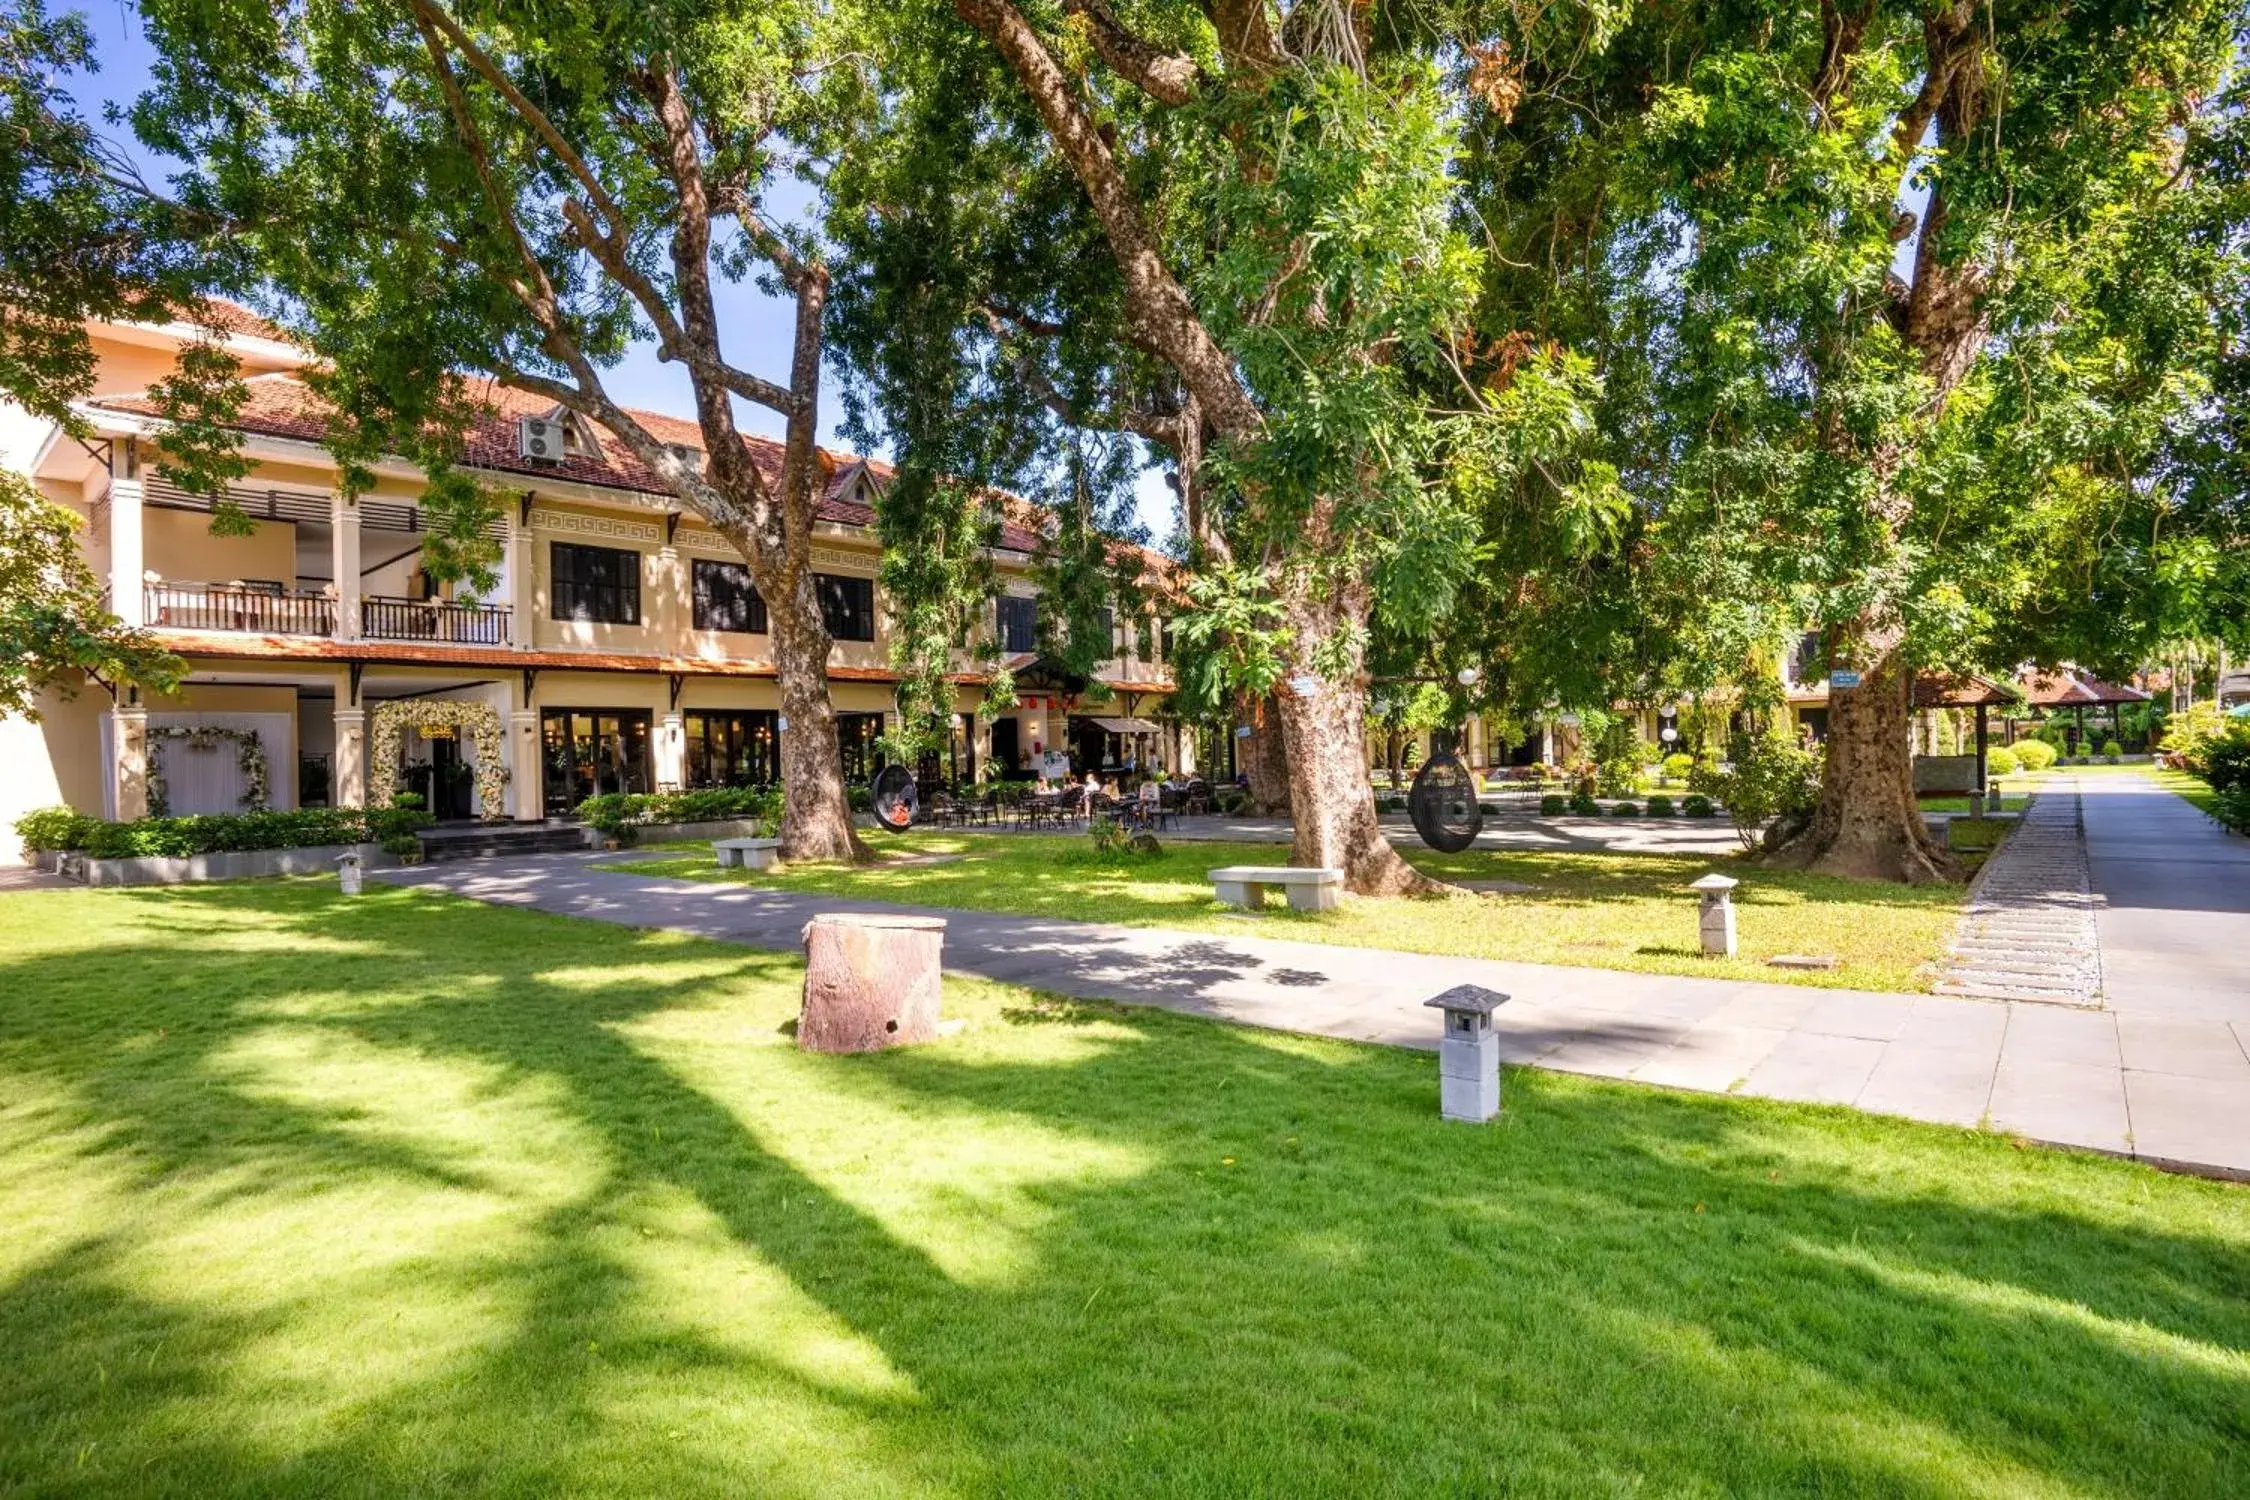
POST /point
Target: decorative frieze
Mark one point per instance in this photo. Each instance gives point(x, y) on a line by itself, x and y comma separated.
point(609, 528)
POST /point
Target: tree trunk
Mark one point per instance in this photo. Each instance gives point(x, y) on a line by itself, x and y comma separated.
point(1867, 823)
point(1264, 758)
point(870, 982)
point(1331, 801)
point(816, 817)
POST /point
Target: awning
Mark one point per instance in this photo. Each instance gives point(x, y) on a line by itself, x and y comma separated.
point(1130, 726)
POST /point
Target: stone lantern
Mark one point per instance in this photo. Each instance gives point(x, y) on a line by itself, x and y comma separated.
point(1716, 919)
point(347, 872)
point(1468, 1054)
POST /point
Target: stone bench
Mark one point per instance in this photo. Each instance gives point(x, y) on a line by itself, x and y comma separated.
point(749, 854)
point(1308, 889)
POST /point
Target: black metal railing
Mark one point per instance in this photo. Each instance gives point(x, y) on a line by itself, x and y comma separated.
point(210, 606)
point(383, 618)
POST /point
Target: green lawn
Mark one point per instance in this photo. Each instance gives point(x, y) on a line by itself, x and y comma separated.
point(1610, 911)
point(400, 1195)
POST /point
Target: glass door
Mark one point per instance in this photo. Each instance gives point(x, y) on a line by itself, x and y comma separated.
point(591, 752)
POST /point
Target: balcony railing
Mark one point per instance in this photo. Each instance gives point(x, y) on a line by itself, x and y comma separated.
point(382, 618)
point(210, 606)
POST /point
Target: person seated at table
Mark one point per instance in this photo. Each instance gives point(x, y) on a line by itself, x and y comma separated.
point(1040, 785)
point(1089, 789)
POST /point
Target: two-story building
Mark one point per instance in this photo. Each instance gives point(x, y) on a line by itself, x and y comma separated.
point(623, 648)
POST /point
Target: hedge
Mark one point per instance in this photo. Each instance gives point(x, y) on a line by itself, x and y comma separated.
point(1999, 760)
point(51, 829)
point(615, 812)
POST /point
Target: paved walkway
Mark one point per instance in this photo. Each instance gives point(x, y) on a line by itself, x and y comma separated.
point(2042, 1071)
point(2028, 932)
point(2172, 904)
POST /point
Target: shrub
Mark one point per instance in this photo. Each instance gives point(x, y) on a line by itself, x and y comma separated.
point(1678, 765)
point(1624, 810)
point(2034, 755)
point(229, 833)
point(1553, 805)
point(2226, 760)
point(619, 814)
point(2232, 807)
point(1583, 804)
point(1999, 760)
point(2111, 750)
point(406, 846)
point(1698, 806)
point(1111, 841)
point(46, 829)
point(1660, 806)
point(1768, 781)
point(2188, 736)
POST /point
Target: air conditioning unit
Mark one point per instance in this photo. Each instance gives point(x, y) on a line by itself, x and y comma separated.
point(540, 438)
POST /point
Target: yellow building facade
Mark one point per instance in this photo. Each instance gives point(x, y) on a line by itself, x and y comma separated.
point(621, 650)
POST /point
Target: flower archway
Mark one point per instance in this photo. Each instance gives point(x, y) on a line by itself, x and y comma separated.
point(480, 719)
point(250, 756)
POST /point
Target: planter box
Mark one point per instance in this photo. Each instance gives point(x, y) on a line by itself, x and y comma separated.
point(249, 864)
point(665, 833)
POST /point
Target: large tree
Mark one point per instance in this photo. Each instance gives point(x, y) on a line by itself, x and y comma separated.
point(1879, 251)
point(1228, 231)
point(79, 241)
point(442, 191)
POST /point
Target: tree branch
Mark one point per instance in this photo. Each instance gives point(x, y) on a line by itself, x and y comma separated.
point(1169, 77)
point(428, 15)
point(1157, 305)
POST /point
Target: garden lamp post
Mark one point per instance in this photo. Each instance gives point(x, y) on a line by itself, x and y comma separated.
point(1469, 1053)
point(1716, 916)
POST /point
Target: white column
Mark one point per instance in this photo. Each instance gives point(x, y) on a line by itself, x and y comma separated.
point(668, 592)
point(343, 553)
point(523, 592)
point(126, 553)
point(526, 797)
point(671, 751)
point(347, 766)
point(128, 738)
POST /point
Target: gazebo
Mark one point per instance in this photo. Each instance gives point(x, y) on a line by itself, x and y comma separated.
point(2076, 691)
point(1966, 690)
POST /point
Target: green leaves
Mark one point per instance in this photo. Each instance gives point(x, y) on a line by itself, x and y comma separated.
point(54, 622)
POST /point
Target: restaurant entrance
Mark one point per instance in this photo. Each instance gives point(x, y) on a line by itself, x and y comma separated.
point(589, 752)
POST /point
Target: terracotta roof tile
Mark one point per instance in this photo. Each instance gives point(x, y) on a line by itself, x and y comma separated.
point(281, 404)
point(210, 645)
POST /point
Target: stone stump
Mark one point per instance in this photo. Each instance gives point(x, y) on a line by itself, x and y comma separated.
point(871, 981)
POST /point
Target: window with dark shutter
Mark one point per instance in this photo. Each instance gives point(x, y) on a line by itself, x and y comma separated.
point(597, 585)
point(1019, 623)
point(725, 599)
point(847, 605)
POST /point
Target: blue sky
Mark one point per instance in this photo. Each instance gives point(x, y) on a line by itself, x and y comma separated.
point(759, 328)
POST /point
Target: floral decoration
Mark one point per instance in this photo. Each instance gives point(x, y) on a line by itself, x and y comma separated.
point(250, 756)
point(387, 730)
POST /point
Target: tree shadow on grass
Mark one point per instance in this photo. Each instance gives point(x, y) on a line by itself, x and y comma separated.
point(1290, 1277)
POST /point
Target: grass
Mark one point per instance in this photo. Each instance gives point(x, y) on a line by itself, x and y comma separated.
point(1611, 911)
point(2189, 787)
point(2014, 804)
point(308, 1195)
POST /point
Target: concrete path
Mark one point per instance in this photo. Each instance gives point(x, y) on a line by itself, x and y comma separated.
point(2042, 1071)
point(2172, 892)
point(27, 878)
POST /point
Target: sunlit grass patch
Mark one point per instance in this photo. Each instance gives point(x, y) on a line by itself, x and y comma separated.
point(509, 1204)
point(1614, 911)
